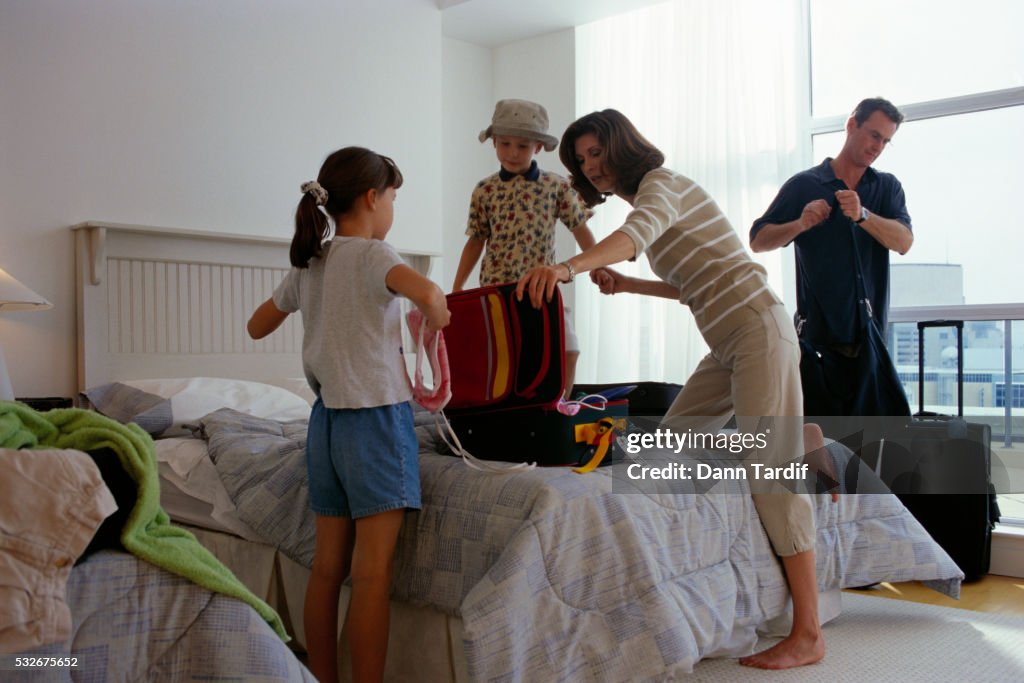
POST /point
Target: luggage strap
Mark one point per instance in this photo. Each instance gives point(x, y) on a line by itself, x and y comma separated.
point(444, 430)
point(430, 347)
point(570, 408)
point(434, 399)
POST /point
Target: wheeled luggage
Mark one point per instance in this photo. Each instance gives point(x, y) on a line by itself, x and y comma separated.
point(940, 467)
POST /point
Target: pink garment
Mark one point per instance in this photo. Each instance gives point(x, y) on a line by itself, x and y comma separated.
point(430, 344)
point(51, 504)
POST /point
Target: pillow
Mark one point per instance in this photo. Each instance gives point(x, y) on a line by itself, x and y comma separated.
point(163, 407)
point(127, 404)
point(297, 385)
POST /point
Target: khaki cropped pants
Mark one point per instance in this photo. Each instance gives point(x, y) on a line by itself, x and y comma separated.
point(753, 371)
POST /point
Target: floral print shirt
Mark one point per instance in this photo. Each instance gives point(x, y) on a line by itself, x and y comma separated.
point(516, 218)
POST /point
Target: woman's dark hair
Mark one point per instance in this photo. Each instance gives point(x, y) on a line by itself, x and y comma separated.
point(346, 175)
point(628, 154)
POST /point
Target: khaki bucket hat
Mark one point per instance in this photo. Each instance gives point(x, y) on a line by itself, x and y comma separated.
point(521, 118)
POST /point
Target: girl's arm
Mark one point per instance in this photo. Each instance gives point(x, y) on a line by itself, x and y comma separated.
point(422, 291)
point(267, 318)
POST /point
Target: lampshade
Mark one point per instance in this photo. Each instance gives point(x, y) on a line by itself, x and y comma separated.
point(15, 296)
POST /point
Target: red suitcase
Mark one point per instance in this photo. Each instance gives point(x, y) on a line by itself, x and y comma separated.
point(507, 375)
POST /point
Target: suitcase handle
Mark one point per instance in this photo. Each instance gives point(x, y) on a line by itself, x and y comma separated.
point(959, 326)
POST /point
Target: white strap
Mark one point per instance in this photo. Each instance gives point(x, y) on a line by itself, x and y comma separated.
point(601, 403)
point(443, 425)
point(420, 352)
point(444, 430)
point(432, 351)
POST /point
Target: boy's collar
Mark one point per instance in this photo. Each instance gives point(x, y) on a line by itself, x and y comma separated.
point(533, 173)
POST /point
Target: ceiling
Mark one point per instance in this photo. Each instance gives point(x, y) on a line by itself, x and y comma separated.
point(496, 22)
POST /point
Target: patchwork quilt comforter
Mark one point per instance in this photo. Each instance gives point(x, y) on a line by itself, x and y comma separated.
point(133, 621)
point(560, 576)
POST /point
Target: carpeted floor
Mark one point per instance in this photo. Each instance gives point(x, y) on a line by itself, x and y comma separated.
point(875, 639)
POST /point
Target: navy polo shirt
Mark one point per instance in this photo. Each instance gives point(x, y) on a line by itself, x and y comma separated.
point(826, 271)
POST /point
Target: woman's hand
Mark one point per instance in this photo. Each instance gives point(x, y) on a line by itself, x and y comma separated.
point(539, 283)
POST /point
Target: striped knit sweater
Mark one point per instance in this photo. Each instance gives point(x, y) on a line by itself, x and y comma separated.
point(691, 245)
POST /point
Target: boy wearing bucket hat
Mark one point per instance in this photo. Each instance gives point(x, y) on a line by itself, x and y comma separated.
point(512, 213)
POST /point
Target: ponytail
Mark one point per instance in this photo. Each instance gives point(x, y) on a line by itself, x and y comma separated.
point(344, 177)
point(311, 228)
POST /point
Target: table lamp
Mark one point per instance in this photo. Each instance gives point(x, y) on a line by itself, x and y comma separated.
point(15, 296)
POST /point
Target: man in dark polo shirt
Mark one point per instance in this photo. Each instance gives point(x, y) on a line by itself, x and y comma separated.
point(844, 218)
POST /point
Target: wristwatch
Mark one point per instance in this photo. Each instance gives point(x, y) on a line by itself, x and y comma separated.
point(572, 271)
point(863, 216)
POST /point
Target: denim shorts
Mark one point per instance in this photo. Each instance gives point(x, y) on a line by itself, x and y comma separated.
point(362, 461)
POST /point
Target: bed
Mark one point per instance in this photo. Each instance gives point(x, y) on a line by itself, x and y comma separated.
point(136, 622)
point(543, 575)
point(74, 608)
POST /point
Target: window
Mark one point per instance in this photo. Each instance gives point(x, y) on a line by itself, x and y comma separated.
point(1016, 395)
point(912, 50)
point(958, 157)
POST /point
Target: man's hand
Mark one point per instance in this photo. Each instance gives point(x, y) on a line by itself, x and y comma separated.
point(814, 213)
point(849, 204)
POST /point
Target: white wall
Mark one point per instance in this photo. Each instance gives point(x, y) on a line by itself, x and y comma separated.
point(200, 115)
point(542, 69)
point(468, 86)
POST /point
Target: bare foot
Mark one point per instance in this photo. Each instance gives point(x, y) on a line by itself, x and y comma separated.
point(792, 651)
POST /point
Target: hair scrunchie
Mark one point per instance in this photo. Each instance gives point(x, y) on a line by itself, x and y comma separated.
point(316, 189)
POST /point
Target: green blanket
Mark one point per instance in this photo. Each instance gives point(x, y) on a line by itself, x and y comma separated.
point(148, 533)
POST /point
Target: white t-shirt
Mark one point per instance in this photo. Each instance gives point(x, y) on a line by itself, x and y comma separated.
point(352, 340)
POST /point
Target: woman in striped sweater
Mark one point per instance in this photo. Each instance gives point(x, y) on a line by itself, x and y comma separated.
point(752, 371)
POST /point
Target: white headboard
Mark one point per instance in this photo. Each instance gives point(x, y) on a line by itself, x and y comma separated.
point(162, 302)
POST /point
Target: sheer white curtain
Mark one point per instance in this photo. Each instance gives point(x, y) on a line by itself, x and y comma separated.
point(720, 86)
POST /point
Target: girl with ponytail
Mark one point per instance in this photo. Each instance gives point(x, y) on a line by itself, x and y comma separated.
point(361, 449)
